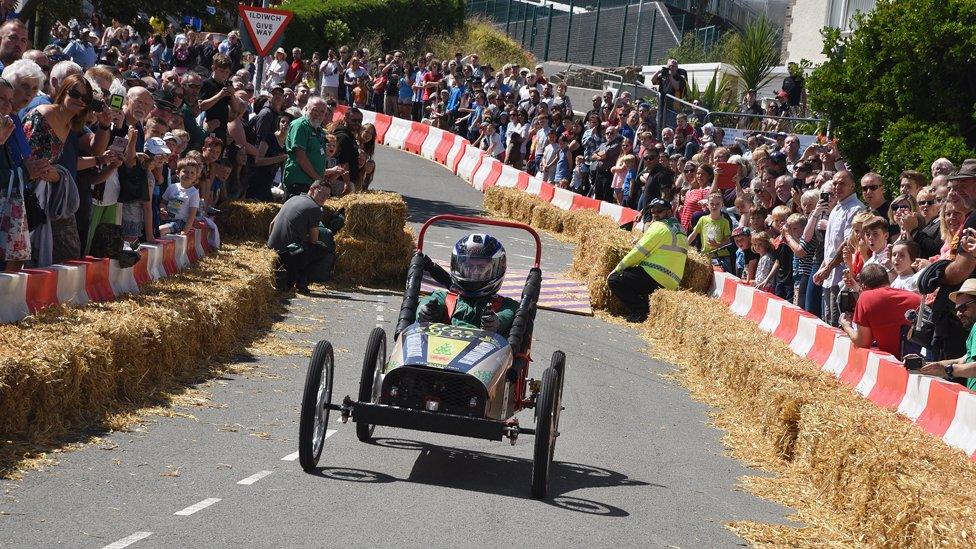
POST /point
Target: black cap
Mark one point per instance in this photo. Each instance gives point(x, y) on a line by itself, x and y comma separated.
point(659, 204)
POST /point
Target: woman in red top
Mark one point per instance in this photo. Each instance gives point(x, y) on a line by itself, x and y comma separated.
point(701, 184)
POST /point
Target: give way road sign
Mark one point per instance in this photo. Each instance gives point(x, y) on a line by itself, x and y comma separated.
point(264, 26)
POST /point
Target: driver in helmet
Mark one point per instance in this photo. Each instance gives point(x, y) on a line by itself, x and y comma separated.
point(477, 271)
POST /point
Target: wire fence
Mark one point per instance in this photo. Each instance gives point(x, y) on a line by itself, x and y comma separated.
point(608, 32)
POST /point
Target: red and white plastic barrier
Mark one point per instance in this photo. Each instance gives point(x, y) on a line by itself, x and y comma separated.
point(943, 409)
point(78, 282)
point(476, 167)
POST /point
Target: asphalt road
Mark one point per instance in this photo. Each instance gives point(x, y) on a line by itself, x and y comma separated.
point(636, 462)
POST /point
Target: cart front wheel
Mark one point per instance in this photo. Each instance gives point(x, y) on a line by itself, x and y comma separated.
point(369, 383)
point(314, 419)
point(546, 430)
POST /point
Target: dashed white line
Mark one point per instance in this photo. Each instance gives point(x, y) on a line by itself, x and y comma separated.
point(197, 507)
point(254, 478)
point(328, 433)
point(379, 308)
point(128, 540)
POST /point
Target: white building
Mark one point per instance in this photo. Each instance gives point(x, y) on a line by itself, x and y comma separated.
point(805, 18)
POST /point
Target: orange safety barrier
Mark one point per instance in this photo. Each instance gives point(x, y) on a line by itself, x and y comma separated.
point(418, 133)
point(382, 124)
point(42, 288)
point(97, 283)
point(169, 256)
point(191, 246)
point(444, 147)
point(141, 269)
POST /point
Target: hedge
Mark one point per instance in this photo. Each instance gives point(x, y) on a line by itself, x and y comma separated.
point(398, 21)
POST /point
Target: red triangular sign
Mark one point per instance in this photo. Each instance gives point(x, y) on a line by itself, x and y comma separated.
point(264, 26)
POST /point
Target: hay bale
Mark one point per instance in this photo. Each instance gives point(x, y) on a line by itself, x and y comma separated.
point(371, 215)
point(362, 261)
point(246, 220)
point(698, 274)
point(857, 474)
point(69, 367)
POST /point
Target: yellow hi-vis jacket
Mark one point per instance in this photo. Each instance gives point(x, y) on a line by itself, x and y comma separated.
point(662, 252)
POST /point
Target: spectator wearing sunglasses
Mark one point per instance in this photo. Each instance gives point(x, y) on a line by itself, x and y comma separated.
point(928, 206)
point(905, 214)
point(965, 310)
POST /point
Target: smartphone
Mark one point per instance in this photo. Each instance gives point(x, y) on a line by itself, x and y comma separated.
point(825, 197)
point(116, 101)
point(119, 144)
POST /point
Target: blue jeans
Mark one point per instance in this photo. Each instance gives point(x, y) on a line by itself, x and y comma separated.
point(813, 298)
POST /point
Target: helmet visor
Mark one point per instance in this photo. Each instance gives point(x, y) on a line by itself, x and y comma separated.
point(476, 269)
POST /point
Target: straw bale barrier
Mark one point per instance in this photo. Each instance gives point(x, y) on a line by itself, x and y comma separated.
point(600, 243)
point(246, 220)
point(365, 261)
point(857, 474)
point(371, 215)
point(69, 367)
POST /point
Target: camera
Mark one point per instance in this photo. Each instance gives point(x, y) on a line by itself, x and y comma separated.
point(825, 197)
point(913, 362)
point(846, 301)
point(97, 105)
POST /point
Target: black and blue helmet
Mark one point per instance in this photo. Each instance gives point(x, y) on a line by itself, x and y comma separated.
point(477, 265)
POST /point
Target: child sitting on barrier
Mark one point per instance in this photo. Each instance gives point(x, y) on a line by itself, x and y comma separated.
point(181, 199)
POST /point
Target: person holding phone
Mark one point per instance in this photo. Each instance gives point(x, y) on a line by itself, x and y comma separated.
point(215, 96)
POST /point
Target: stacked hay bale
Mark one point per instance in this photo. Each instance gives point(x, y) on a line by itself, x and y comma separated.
point(857, 474)
point(66, 367)
point(246, 220)
point(374, 246)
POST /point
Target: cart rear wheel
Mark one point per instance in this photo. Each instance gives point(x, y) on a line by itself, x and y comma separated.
point(546, 429)
point(314, 419)
point(369, 383)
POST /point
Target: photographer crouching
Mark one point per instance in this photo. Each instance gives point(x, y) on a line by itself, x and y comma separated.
point(879, 312)
point(306, 252)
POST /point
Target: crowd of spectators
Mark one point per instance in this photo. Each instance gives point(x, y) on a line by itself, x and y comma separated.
point(107, 131)
point(105, 126)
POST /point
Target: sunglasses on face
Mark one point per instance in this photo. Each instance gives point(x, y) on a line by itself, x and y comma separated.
point(870, 187)
point(896, 207)
point(926, 202)
point(961, 308)
point(75, 94)
point(688, 170)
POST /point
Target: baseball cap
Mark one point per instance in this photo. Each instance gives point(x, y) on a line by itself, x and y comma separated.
point(778, 157)
point(155, 145)
point(169, 135)
point(741, 231)
point(659, 204)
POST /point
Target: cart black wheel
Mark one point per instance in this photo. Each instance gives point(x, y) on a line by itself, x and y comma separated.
point(314, 419)
point(546, 429)
point(369, 383)
point(559, 364)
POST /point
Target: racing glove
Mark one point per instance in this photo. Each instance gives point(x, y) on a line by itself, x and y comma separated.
point(490, 322)
point(428, 313)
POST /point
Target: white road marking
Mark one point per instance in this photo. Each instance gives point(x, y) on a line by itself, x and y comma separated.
point(328, 433)
point(254, 478)
point(197, 507)
point(379, 308)
point(438, 245)
point(128, 540)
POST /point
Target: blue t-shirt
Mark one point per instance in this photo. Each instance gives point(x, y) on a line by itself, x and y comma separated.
point(455, 99)
point(406, 92)
point(562, 166)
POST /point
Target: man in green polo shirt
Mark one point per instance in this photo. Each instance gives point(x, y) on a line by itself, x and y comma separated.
point(305, 146)
point(965, 301)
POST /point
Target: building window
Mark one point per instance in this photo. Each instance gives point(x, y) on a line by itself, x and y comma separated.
point(841, 12)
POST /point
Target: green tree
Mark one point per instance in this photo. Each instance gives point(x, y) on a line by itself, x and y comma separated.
point(905, 63)
point(757, 54)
